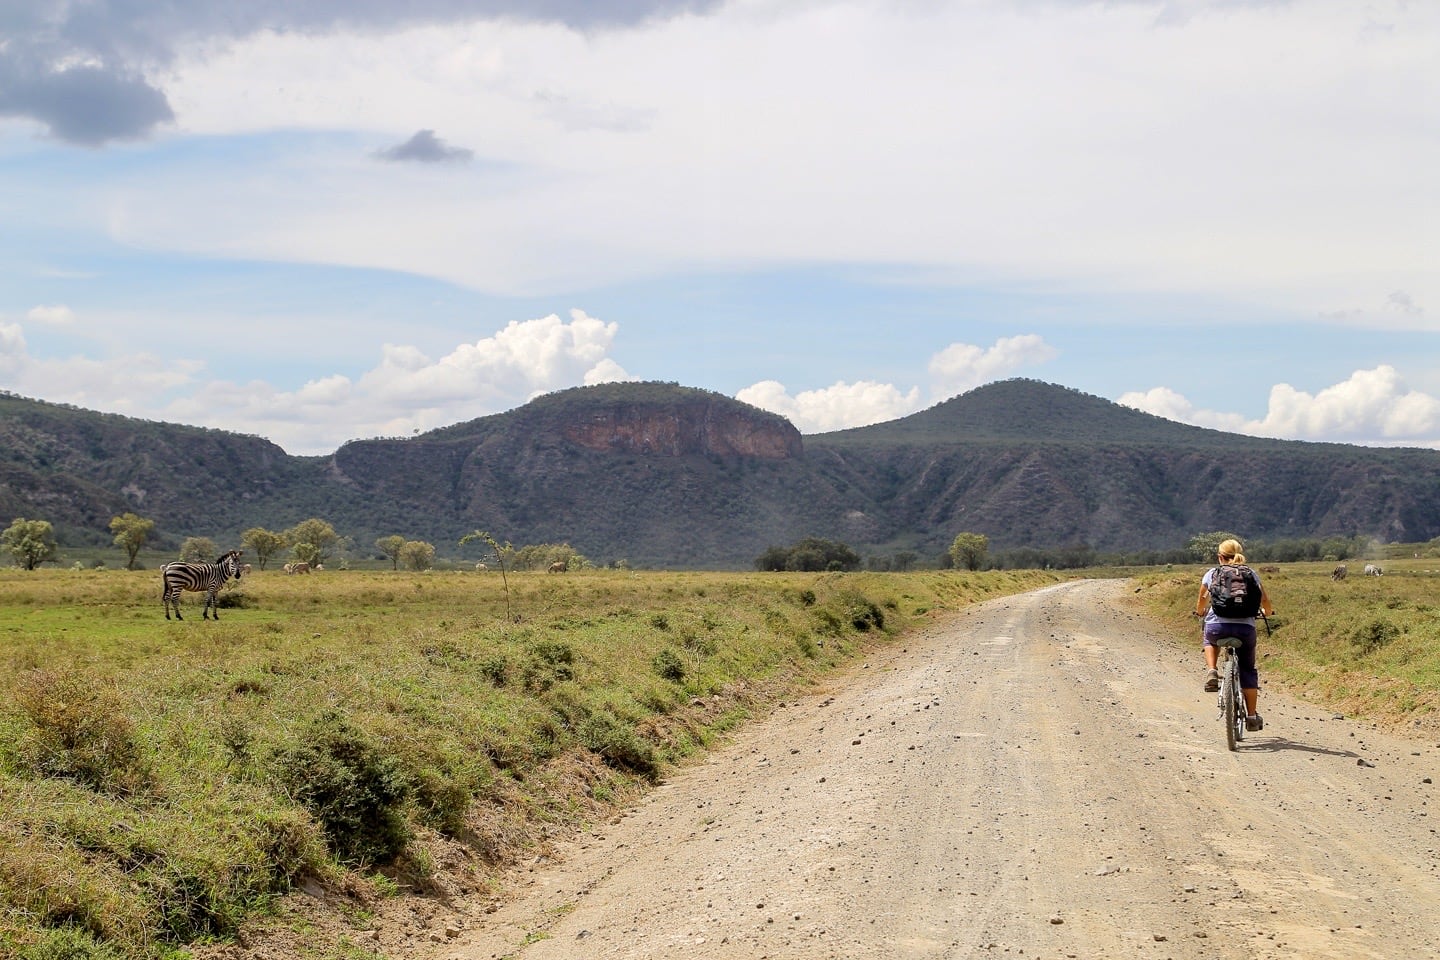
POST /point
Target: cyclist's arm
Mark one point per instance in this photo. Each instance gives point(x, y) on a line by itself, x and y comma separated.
point(1266, 607)
point(1202, 602)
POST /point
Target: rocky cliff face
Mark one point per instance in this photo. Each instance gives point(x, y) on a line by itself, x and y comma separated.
point(698, 427)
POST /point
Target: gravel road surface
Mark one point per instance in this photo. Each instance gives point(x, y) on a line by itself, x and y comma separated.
point(1038, 776)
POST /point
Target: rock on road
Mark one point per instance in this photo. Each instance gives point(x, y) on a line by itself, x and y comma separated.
point(1036, 776)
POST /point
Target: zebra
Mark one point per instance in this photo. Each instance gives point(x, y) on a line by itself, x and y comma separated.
point(197, 577)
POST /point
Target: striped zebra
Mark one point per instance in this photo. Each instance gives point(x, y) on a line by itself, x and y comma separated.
point(195, 577)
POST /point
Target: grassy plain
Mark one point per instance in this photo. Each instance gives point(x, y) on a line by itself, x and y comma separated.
point(370, 731)
point(373, 732)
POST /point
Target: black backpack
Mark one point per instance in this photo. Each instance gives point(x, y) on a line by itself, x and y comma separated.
point(1234, 592)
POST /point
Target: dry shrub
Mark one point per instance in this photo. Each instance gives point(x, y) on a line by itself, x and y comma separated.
point(80, 733)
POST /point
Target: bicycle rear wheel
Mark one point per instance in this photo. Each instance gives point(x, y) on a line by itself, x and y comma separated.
point(1231, 704)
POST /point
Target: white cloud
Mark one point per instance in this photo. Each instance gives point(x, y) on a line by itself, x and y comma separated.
point(964, 366)
point(57, 315)
point(835, 407)
point(1371, 407)
point(955, 369)
point(405, 392)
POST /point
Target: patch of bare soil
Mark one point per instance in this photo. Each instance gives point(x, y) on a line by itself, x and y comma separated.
point(1038, 776)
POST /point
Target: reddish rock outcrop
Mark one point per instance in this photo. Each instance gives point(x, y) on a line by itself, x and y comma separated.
point(704, 428)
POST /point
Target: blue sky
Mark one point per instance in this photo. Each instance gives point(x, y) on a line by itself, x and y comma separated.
point(327, 221)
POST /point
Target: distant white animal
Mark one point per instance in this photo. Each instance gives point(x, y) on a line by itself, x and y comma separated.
point(482, 567)
point(1372, 571)
point(299, 567)
point(245, 568)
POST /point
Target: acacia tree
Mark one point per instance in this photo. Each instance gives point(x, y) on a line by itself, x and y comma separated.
point(391, 546)
point(312, 541)
point(30, 542)
point(199, 549)
point(1205, 545)
point(968, 550)
point(131, 532)
point(264, 543)
point(417, 554)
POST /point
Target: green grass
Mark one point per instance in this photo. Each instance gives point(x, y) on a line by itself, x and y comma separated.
point(165, 781)
point(1368, 646)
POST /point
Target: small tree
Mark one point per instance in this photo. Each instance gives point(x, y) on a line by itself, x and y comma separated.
point(391, 547)
point(968, 550)
point(1204, 546)
point(812, 554)
point(131, 532)
point(199, 549)
point(502, 553)
point(417, 554)
point(312, 541)
point(264, 543)
point(30, 542)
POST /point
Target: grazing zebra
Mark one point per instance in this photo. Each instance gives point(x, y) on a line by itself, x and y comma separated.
point(197, 577)
point(1338, 573)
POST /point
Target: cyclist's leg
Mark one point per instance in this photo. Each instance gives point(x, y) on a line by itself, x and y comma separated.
point(1211, 661)
point(1250, 678)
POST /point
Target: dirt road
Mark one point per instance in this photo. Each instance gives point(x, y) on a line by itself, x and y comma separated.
point(1038, 777)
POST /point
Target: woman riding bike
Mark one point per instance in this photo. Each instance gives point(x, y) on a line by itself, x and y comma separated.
point(1242, 628)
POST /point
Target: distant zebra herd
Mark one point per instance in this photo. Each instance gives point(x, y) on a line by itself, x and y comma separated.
point(1371, 570)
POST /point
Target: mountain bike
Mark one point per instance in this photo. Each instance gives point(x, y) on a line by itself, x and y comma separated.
point(1231, 700)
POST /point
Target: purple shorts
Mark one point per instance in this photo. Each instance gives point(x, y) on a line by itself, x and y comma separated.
point(1245, 632)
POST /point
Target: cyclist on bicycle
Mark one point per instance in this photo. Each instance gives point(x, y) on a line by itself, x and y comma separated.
point(1244, 629)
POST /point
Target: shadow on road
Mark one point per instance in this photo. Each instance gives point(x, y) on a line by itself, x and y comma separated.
point(1278, 744)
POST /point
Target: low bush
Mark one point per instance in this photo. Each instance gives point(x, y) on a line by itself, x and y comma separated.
point(80, 733)
point(355, 790)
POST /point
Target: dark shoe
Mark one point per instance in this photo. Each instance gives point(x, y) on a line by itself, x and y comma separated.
point(1212, 682)
point(1254, 722)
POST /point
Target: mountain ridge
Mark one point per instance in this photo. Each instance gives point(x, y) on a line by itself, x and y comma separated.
point(665, 475)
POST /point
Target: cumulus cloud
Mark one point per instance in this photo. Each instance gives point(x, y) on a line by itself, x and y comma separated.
point(964, 366)
point(87, 71)
point(957, 368)
point(405, 392)
point(425, 147)
point(835, 407)
point(1371, 407)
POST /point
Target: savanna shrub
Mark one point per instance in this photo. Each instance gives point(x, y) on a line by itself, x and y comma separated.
point(80, 733)
point(551, 662)
point(356, 790)
point(1369, 637)
point(496, 669)
point(617, 743)
point(668, 666)
point(862, 614)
